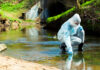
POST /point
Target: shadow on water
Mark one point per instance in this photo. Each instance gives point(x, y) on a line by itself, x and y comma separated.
point(43, 47)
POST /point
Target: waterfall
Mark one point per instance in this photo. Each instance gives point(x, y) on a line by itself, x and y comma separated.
point(33, 12)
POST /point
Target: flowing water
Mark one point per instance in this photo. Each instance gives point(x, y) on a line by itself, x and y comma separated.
point(43, 47)
point(33, 12)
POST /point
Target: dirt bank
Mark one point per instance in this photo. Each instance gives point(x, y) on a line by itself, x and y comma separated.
point(9, 63)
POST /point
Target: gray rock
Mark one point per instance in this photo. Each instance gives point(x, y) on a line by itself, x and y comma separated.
point(3, 47)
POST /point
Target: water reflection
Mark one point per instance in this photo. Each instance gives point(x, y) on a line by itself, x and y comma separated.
point(42, 47)
point(32, 34)
point(75, 62)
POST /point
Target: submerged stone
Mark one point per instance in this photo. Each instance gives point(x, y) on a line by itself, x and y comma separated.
point(3, 47)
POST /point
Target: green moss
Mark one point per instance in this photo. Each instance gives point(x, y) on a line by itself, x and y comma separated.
point(29, 26)
point(29, 21)
point(87, 3)
point(11, 7)
point(50, 19)
point(10, 18)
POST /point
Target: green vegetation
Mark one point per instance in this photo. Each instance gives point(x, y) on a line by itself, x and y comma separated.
point(50, 19)
point(10, 18)
point(98, 2)
point(87, 3)
point(9, 10)
point(11, 7)
point(29, 21)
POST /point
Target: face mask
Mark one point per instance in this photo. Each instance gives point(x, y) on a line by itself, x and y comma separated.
point(73, 24)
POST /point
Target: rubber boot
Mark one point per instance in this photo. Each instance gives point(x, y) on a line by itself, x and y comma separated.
point(70, 51)
point(63, 48)
point(80, 47)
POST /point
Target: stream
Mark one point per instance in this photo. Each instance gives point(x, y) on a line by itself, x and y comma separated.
point(43, 47)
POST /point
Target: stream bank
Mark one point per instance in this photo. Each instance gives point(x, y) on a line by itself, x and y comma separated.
point(8, 25)
point(8, 63)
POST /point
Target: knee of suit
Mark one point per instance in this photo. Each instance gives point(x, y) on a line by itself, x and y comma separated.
point(76, 41)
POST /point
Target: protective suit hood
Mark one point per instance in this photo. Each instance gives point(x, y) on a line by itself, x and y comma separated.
point(75, 19)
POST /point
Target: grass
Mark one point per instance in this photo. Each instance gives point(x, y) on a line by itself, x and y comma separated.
point(13, 11)
point(29, 21)
point(10, 18)
point(50, 19)
point(9, 7)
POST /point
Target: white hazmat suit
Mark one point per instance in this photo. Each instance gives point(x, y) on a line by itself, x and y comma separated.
point(71, 34)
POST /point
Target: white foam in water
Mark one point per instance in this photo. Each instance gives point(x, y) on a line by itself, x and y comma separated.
point(33, 12)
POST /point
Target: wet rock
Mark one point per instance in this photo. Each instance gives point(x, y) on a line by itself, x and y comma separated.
point(7, 29)
point(40, 10)
point(7, 23)
point(4, 24)
point(3, 47)
point(1, 27)
point(3, 20)
point(37, 20)
point(23, 16)
point(15, 25)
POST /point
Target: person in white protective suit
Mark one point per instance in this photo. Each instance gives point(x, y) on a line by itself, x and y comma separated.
point(71, 34)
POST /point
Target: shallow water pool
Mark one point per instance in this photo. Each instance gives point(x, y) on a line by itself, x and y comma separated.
point(43, 47)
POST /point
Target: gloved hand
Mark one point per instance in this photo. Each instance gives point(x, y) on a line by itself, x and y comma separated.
point(70, 51)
